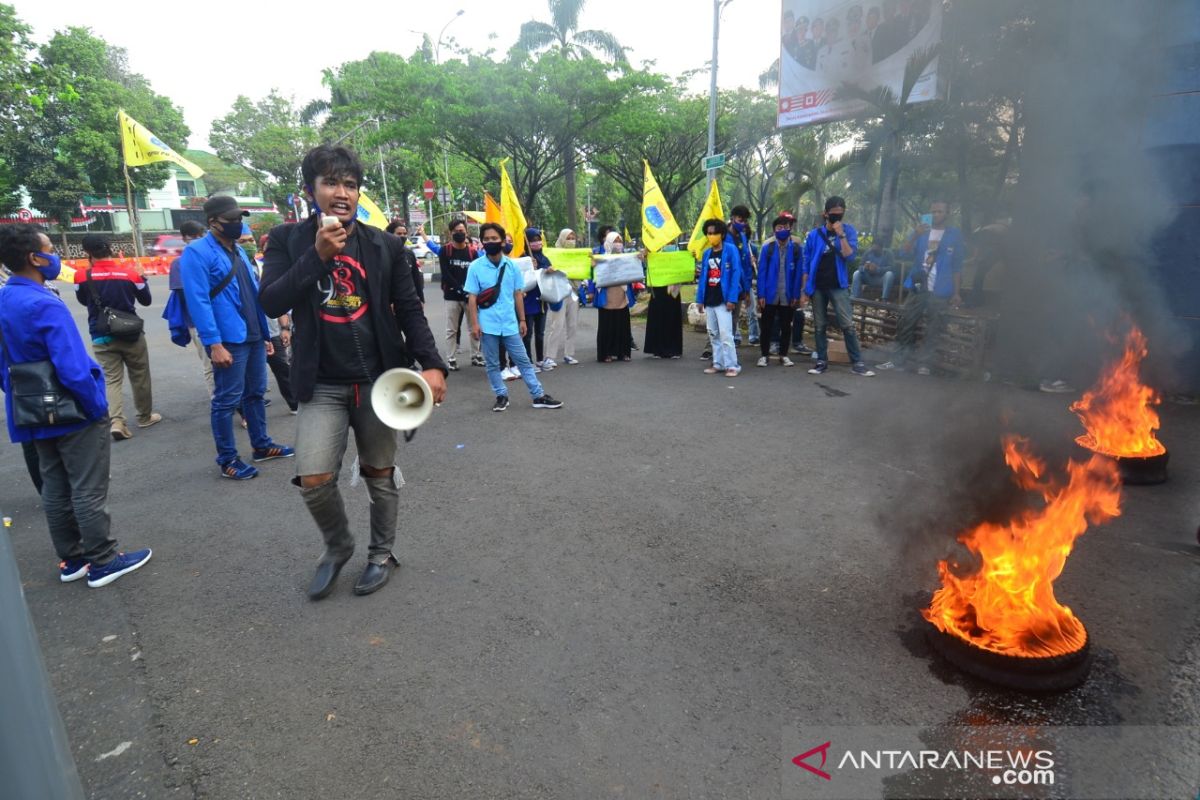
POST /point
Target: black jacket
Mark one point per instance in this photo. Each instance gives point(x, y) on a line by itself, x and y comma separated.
point(291, 269)
point(417, 276)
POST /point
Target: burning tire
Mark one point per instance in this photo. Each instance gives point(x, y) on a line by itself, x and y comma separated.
point(1143, 471)
point(1039, 674)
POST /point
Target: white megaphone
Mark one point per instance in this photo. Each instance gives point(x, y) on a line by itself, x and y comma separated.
point(402, 399)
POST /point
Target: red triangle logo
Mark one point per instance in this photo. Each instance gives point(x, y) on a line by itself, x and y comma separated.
point(823, 749)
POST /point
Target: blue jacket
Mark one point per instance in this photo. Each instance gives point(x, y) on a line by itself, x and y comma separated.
point(747, 252)
point(731, 273)
point(203, 265)
point(768, 270)
point(952, 251)
point(36, 326)
point(814, 248)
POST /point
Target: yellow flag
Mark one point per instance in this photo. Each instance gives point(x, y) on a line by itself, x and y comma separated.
point(658, 223)
point(141, 147)
point(511, 216)
point(369, 213)
point(712, 210)
point(491, 209)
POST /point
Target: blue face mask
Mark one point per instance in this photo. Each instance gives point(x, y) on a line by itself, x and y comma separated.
point(51, 270)
point(740, 227)
point(782, 235)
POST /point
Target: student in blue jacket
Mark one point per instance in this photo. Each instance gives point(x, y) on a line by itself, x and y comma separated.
point(73, 457)
point(222, 297)
point(780, 286)
point(934, 284)
point(717, 290)
point(828, 250)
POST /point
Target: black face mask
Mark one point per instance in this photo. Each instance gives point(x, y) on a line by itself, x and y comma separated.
point(834, 218)
point(458, 236)
point(493, 248)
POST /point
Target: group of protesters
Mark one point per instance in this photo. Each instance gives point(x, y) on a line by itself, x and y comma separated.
point(335, 304)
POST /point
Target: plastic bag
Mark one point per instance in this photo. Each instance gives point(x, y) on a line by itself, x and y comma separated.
point(525, 264)
point(617, 270)
point(554, 285)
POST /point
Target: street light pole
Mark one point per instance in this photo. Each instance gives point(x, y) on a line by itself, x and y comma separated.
point(437, 48)
point(437, 60)
point(379, 150)
point(718, 5)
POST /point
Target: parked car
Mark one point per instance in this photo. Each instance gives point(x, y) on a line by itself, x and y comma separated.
point(167, 245)
point(418, 247)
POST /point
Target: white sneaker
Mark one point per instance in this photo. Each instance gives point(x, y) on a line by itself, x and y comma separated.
point(786, 362)
point(511, 374)
point(549, 363)
point(762, 361)
point(571, 360)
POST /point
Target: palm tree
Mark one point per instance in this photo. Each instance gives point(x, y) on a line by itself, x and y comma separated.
point(895, 118)
point(563, 34)
point(810, 166)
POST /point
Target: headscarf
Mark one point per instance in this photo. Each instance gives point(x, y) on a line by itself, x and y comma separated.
point(561, 241)
point(610, 238)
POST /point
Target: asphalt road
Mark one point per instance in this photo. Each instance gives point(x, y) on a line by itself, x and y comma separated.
point(634, 596)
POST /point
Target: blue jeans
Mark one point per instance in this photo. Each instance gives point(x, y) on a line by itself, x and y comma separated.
point(719, 320)
point(863, 278)
point(845, 320)
point(240, 384)
point(516, 351)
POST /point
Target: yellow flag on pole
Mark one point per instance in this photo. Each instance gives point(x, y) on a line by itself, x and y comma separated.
point(712, 210)
point(511, 216)
point(369, 213)
point(491, 209)
point(659, 227)
point(141, 147)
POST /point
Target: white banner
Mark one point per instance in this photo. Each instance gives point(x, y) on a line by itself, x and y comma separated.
point(827, 43)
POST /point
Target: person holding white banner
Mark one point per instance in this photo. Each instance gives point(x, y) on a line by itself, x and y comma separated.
point(614, 336)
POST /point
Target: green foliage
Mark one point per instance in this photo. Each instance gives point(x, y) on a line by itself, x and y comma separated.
point(262, 223)
point(266, 137)
point(69, 143)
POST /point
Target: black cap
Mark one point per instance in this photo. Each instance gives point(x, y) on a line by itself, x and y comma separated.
point(835, 202)
point(220, 205)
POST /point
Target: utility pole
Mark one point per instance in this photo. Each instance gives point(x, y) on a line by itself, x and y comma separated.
point(718, 5)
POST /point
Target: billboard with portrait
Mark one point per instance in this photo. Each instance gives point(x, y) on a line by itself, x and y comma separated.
point(827, 43)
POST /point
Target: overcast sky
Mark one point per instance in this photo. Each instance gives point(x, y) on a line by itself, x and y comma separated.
point(204, 56)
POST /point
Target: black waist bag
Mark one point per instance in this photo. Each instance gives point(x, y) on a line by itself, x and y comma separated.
point(487, 298)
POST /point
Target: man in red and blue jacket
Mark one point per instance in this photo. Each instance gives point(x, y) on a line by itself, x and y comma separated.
point(108, 283)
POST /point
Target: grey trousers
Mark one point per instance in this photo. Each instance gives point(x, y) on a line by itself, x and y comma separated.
point(75, 493)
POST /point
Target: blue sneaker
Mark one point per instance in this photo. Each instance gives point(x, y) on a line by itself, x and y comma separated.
point(238, 470)
point(122, 564)
point(272, 451)
point(72, 569)
point(819, 368)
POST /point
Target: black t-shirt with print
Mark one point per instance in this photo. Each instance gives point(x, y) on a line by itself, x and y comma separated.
point(713, 296)
point(827, 274)
point(349, 353)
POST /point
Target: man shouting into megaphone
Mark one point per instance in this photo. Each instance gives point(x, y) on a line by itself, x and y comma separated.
point(349, 289)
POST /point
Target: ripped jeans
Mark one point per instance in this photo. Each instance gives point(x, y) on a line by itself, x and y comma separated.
point(322, 434)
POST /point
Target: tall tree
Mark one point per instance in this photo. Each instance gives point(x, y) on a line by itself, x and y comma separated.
point(70, 143)
point(562, 34)
point(14, 80)
point(266, 137)
point(895, 116)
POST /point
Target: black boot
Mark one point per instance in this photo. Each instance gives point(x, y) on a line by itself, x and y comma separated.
point(325, 504)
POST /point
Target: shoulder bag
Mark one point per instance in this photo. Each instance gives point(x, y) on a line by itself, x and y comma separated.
point(112, 321)
point(39, 400)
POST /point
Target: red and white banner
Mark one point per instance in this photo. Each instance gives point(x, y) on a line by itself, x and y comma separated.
point(825, 44)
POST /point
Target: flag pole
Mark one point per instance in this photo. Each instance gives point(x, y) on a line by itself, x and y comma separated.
point(129, 206)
